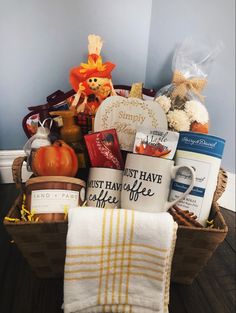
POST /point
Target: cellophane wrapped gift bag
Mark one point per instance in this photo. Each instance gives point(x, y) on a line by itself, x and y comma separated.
point(182, 100)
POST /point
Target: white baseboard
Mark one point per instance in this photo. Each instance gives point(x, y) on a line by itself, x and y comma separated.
point(6, 159)
point(227, 200)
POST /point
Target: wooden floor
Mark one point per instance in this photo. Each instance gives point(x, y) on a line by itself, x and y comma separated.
point(21, 292)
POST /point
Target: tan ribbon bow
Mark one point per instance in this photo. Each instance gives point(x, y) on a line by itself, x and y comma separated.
point(183, 85)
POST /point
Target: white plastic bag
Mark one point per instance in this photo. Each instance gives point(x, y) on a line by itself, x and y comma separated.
point(182, 100)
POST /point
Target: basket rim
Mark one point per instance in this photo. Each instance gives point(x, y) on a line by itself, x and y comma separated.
point(224, 228)
point(215, 205)
point(205, 229)
point(12, 209)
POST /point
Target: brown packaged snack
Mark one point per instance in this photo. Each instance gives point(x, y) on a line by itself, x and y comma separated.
point(184, 217)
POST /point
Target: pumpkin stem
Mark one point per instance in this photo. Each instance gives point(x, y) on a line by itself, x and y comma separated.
point(59, 143)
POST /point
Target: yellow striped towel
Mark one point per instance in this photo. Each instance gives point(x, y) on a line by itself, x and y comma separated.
point(118, 261)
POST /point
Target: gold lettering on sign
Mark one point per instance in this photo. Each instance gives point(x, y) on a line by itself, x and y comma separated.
point(132, 117)
point(124, 128)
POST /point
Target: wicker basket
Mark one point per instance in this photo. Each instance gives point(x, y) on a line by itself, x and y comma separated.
point(195, 246)
point(43, 244)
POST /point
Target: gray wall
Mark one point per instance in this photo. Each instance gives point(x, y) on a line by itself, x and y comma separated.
point(41, 40)
point(171, 22)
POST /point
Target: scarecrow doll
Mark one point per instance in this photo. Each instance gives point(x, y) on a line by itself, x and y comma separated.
point(91, 81)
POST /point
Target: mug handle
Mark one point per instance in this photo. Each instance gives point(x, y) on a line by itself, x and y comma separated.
point(174, 170)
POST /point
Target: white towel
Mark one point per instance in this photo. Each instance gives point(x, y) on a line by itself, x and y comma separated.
point(118, 261)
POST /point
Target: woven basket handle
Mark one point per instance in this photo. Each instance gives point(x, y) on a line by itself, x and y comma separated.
point(221, 185)
point(17, 171)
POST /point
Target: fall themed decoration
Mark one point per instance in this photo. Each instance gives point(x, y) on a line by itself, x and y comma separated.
point(136, 90)
point(91, 81)
point(126, 115)
point(58, 159)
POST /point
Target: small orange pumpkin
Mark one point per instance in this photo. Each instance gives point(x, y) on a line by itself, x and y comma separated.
point(58, 159)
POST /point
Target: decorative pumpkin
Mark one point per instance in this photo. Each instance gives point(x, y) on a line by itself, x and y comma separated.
point(126, 115)
point(58, 159)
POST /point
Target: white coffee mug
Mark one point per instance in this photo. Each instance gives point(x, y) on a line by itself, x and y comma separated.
point(104, 187)
point(147, 182)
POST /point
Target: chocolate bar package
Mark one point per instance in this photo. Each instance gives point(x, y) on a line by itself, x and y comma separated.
point(104, 149)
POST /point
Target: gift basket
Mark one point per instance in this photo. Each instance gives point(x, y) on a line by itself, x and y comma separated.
point(43, 244)
point(120, 146)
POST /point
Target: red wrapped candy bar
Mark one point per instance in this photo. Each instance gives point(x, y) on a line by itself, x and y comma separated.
point(104, 149)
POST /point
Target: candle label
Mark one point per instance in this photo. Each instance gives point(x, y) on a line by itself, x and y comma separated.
point(54, 200)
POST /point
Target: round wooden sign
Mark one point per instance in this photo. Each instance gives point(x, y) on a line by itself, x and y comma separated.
point(126, 115)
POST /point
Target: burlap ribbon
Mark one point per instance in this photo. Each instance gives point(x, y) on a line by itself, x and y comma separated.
point(183, 85)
